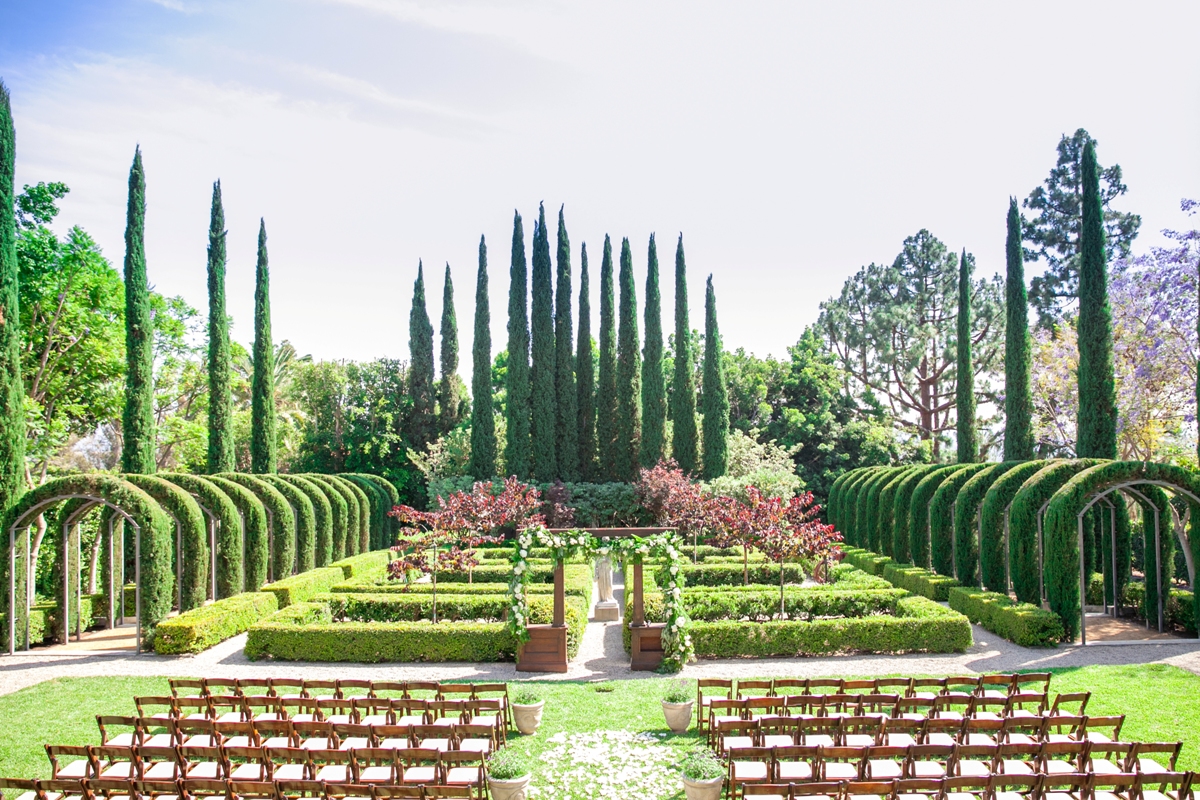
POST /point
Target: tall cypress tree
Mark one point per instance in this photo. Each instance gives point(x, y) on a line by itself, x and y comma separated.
point(1097, 424)
point(542, 361)
point(566, 403)
point(585, 377)
point(629, 413)
point(517, 456)
point(12, 392)
point(968, 440)
point(654, 390)
point(606, 386)
point(421, 421)
point(715, 401)
point(262, 391)
point(483, 421)
point(448, 385)
point(684, 445)
point(220, 370)
point(1018, 396)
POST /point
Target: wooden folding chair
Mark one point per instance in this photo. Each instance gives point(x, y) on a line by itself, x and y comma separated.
point(261, 708)
point(300, 790)
point(721, 711)
point(917, 789)
point(227, 708)
point(796, 764)
point(965, 787)
point(988, 707)
point(1064, 704)
point(1102, 729)
point(221, 686)
point(1181, 781)
point(187, 687)
point(1014, 786)
point(203, 762)
point(157, 790)
point(818, 731)
point(321, 689)
point(877, 705)
point(464, 768)
point(841, 705)
point(64, 789)
point(375, 765)
point(915, 708)
point(499, 693)
point(237, 734)
point(1141, 758)
point(1061, 728)
point(867, 686)
point(156, 708)
point(1109, 758)
point(1112, 785)
point(823, 686)
point(952, 705)
point(315, 735)
point(331, 766)
point(431, 737)
point(816, 790)
point(942, 730)
point(754, 687)
point(1018, 758)
point(112, 788)
point(900, 732)
point(784, 687)
point(455, 691)
point(254, 764)
point(804, 705)
point(76, 762)
point(868, 790)
point(735, 733)
point(764, 707)
point(419, 766)
point(927, 688)
point(411, 711)
point(197, 733)
point(28, 789)
point(351, 688)
point(842, 763)
point(255, 687)
point(287, 687)
point(352, 735)
point(421, 689)
point(395, 737)
point(1065, 786)
point(983, 730)
point(1031, 682)
point(1025, 704)
point(975, 760)
point(997, 686)
point(157, 764)
point(859, 731)
point(276, 733)
point(1064, 758)
point(777, 731)
point(251, 790)
point(475, 738)
point(901, 687)
point(299, 709)
point(487, 711)
point(112, 733)
point(884, 762)
point(109, 761)
point(747, 765)
point(722, 690)
point(1022, 730)
point(288, 763)
point(961, 684)
point(389, 690)
point(766, 791)
point(335, 709)
point(447, 712)
point(929, 761)
point(373, 711)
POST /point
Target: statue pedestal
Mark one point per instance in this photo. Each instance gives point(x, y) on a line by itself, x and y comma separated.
point(607, 611)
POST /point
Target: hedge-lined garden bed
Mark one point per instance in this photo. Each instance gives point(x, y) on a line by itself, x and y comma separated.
point(1020, 623)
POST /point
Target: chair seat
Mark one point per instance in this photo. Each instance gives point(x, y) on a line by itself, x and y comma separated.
point(838, 771)
point(899, 740)
point(254, 772)
point(159, 740)
point(334, 773)
point(793, 771)
point(1059, 796)
point(339, 719)
point(121, 740)
point(476, 745)
point(435, 744)
point(410, 721)
point(119, 769)
point(777, 740)
point(304, 718)
point(445, 722)
point(321, 743)
point(355, 743)
point(1020, 738)
point(884, 769)
point(928, 769)
point(859, 740)
point(162, 771)
point(975, 769)
point(290, 772)
point(1101, 766)
point(1054, 767)
point(394, 744)
point(1092, 736)
point(492, 720)
point(463, 776)
point(277, 741)
point(238, 741)
point(818, 740)
point(939, 738)
point(199, 740)
point(980, 738)
point(205, 770)
point(750, 770)
point(230, 716)
point(374, 719)
point(420, 775)
point(961, 796)
point(1009, 796)
point(738, 741)
point(1148, 766)
point(76, 769)
point(375, 775)
point(1014, 767)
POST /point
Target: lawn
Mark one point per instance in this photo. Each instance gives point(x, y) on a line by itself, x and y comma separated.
point(1160, 703)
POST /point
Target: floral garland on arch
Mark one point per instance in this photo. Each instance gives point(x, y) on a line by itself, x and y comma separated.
point(677, 644)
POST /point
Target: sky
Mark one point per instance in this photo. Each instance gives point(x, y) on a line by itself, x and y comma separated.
point(789, 143)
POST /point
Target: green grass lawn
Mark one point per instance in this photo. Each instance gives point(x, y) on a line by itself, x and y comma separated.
point(1161, 703)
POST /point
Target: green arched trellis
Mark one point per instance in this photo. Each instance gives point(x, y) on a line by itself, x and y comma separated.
point(901, 509)
point(885, 514)
point(225, 526)
point(361, 542)
point(386, 498)
point(848, 504)
point(993, 524)
point(191, 538)
point(255, 533)
point(323, 517)
point(306, 523)
point(281, 522)
point(341, 513)
point(868, 507)
point(966, 520)
point(941, 518)
point(918, 513)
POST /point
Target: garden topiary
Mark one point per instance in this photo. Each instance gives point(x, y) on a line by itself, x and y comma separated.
point(281, 521)
point(255, 532)
point(941, 518)
point(340, 517)
point(993, 524)
point(918, 513)
point(219, 508)
point(306, 519)
point(323, 518)
point(883, 516)
point(901, 541)
point(966, 521)
point(848, 513)
point(192, 532)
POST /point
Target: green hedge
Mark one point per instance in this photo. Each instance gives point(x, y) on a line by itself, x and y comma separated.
point(865, 560)
point(901, 541)
point(323, 517)
point(306, 520)
point(941, 518)
point(302, 588)
point(281, 544)
point(193, 536)
point(255, 532)
point(340, 516)
point(764, 603)
point(993, 518)
point(868, 521)
point(918, 513)
point(920, 581)
point(1020, 623)
point(884, 516)
point(201, 628)
point(393, 607)
point(381, 503)
point(364, 565)
point(967, 553)
point(705, 574)
point(1179, 612)
point(362, 542)
point(229, 528)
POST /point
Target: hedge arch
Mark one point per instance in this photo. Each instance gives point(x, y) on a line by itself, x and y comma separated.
point(848, 502)
point(1064, 520)
point(361, 544)
point(993, 524)
point(1025, 518)
point(884, 531)
point(154, 529)
point(353, 513)
point(941, 518)
point(967, 548)
point(323, 517)
point(256, 533)
point(191, 538)
point(340, 517)
point(918, 513)
point(225, 564)
point(281, 524)
point(306, 521)
point(386, 498)
point(868, 507)
point(1154, 499)
point(833, 502)
point(901, 505)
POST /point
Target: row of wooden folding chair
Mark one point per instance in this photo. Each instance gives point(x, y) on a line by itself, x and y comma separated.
point(339, 689)
point(884, 705)
point(197, 789)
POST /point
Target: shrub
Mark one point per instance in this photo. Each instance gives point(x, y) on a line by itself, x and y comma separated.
point(526, 696)
point(701, 765)
point(865, 560)
point(678, 691)
point(361, 565)
point(306, 520)
point(901, 542)
point(967, 554)
point(1020, 623)
point(201, 628)
point(304, 587)
point(507, 764)
point(868, 513)
point(705, 574)
point(993, 516)
point(280, 519)
point(848, 515)
point(941, 518)
point(414, 607)
point(884, 533)
point(918, 513)
point(920, 581)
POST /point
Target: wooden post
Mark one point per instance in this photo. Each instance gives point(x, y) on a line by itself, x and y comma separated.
point(560, 599)
point(639, 607)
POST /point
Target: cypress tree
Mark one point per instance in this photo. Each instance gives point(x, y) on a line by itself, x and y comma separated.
point(684, 444)
point(585, 377)
point(1097, 424)
point(1018, 396)
point(262, 401)
point(12, 393)
point(629, 426)
point(606, 386)
point(566, 431)
point(516, 383)
point(421, 421)
point(220, 371)
point(968, 441)
point(715, 400)
point(654, 390)
point(542, 361)
point(448, 386)
point(483, 421)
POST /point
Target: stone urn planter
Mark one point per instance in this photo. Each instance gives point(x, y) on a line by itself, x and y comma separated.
point(527, 718)
point(679, 715)
point(701, 789)
point(514, 789)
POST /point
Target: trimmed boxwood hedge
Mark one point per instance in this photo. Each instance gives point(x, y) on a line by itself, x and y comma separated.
point(201, 628)
point(302, 588)
point(763, 603)
point(281, 523)
point(413, 589)
point(966, 521)
point(255, 532)
point(1021, 623)
point(941, 518)
point(865, 560)
point(324, 516)
point(920, 581)
point(306, 520)
point(399, 607)
point(855, 491)
point(918, 513)
point(229, 528)
point(884, 519)
point(993, 519)
point(706, 574)
point(193, 536)
point(364, 565)
point(340, 518)
point(901, 541)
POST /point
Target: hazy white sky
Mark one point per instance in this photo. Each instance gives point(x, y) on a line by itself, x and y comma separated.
point(790, 142)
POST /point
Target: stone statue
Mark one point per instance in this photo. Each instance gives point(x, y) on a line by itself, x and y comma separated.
point(604, 579)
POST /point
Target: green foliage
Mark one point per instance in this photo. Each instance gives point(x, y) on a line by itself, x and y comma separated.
point(263, 445)
point(304, 587)
point(920, 581)
point(919, 539)
point(709, 574)
point(885, 513)
point(340, 518)
point(941, 518)
point(517, 455)
point(449, 383)
point(585, 377)
point(220, 368)
point(685, 446)
point(421, 423)
point(566, 400)
point(868, 513)
point(255, 544)
point(901, 506)
point(701, 765)
point(219, 505)
point(324, 517)
point(193, 536)
point(364, 565)
point(542, 358)
point(760, 602)
point(606, 386)
point(306, 520)
point(137, 420)
point(1097, 424)
point(870, 563)
point(1018, 397)
point(763, 465)
point(967, 534)
point(382, 497)
point(281, 521)
point(1020, 623)
point(848, 503)
point(993, 521)
point(201, 628)
point(358, 536)
point(654, 390)
point(714, 399)
point(964, 386)
point(483, 421)
point(628, 412)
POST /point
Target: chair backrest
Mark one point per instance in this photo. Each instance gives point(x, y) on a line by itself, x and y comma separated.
point(447, 691)
point(765, 790)
point(425, 689)
point(420, 733)
point(841, 704)
point(928, 685)
point(448, 709)
point(221, 686)
point(878, 704)
point(997, 683)
point(146, 756)
point(320, 688)
point(914, 705)
point(886, 752)
point(228, 730)
point(389, 689)
point(259, 705)
point(255, 687)
point(71, 753)
point(187, 687)
point(417, 756)
point(804, 704)
point(1031, 702)
point(760, 706)
point(754, 686)
point(297, 790)
point(284, 687)
point(818, 726)
point(383, 791)
point(276, 729)
point(961, 683)
point(823, 686)
point(192, 706)
point(1032, 681)
point(315, 729)
point(373, 757)
point(250, 755)
point(764, 754)
point(787, 686)
point(373, 706)
point(335, 707)
point(868, 788)
point(1145, 749)
point(106, 722)
point(294, 706)
point(191, 754)
point(1064, 701)
point(17, 787)
point(155, 706)
point(251, 790)
point(1110, 725)
point(221, 705)
point(1075, 752)
point(859, 726)
point(830, 789)
point(1182, 781)
point(736, 727)
point(1062, 724)
point(438, 790)
point(899, 686)
point(859, 686)
point(349, 688)
point(495, 691)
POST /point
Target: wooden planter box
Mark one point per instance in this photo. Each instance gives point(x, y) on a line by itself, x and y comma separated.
point(646, 650)
point(545, 651)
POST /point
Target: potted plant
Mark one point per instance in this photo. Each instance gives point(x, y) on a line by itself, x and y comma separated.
point(527, 710)
point(703, 775)
point(677, 705)
point(507, 775)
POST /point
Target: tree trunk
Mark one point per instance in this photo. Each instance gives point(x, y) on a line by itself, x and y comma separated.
point(745, 564)
point(94, 564)
point(781, 590)
point(39, 526)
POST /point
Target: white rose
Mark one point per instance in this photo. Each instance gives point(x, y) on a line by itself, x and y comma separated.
point(524, 553)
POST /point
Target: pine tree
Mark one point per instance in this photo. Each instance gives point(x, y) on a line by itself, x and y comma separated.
point(448, 385)
point(262, 390)
point(715, 401)
point(585, 377)
point(684, 445)
point(606, 386)
point(12, 393)
point(220, 370)
point(421, 421)
point(654, 390)
point(1097, 424)
point(483, 423)
point(1018, 397)
point(968, 440)
point(629, 424)
point(542, 359)
point(566, 433)
point(517, 455)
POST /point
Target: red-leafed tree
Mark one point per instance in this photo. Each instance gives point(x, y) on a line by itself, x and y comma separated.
point(674, 501)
